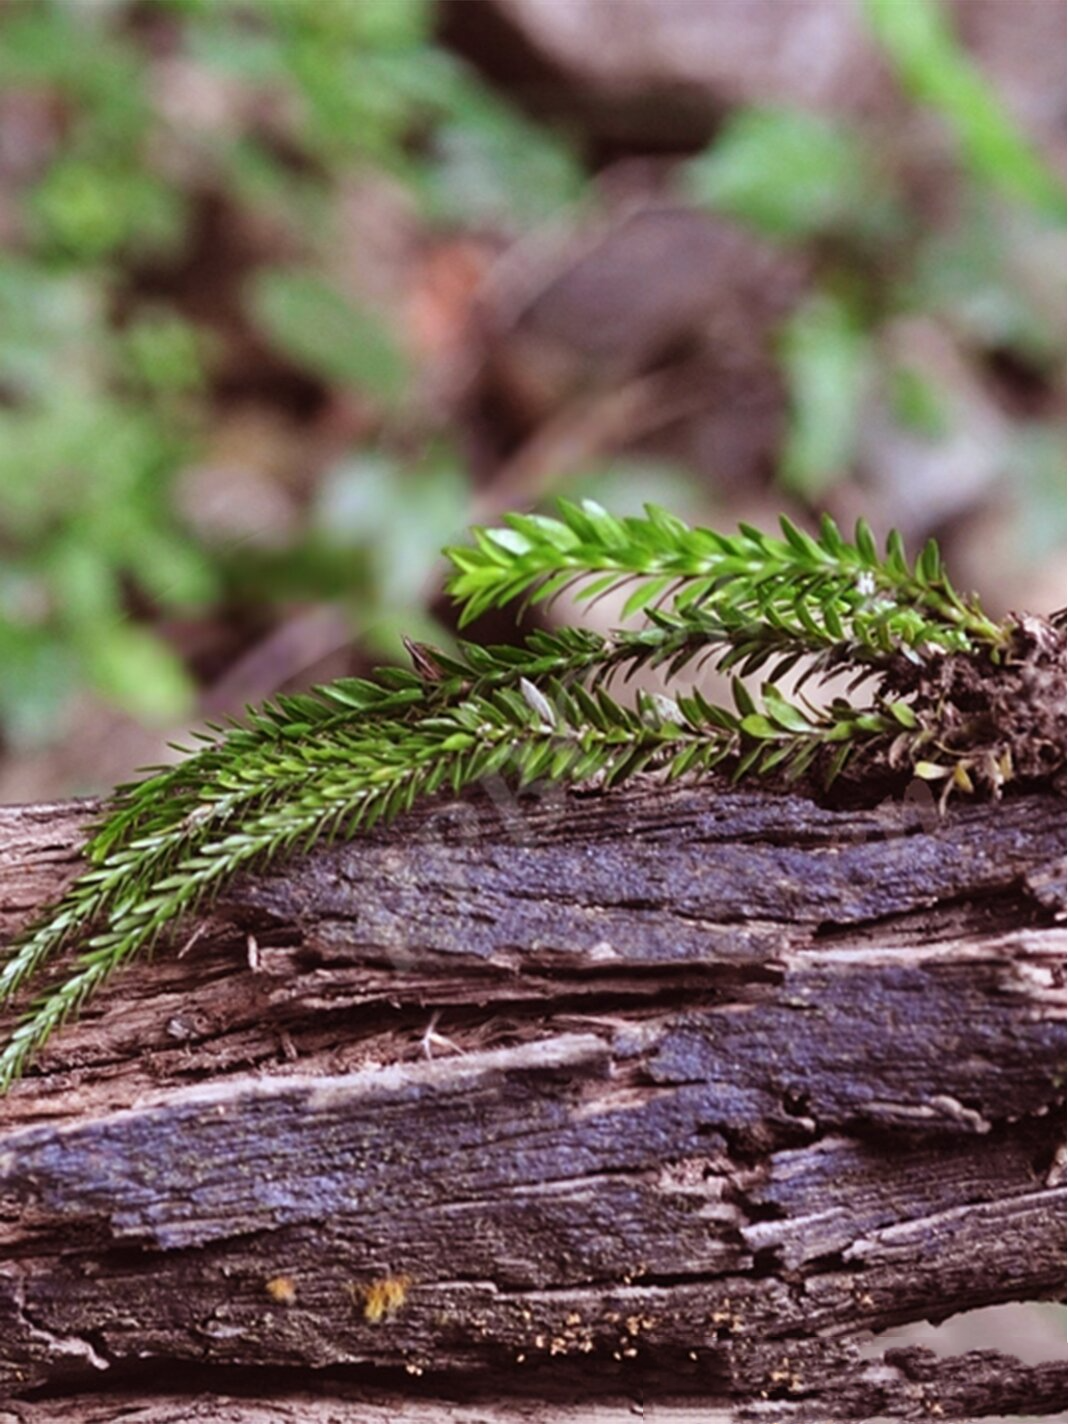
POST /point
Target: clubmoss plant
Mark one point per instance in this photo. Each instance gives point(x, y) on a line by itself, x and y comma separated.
point(343, 758)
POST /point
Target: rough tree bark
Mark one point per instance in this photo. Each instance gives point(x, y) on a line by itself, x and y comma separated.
point(721, 1082)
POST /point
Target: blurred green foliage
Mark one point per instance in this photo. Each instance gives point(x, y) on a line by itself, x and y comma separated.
point(826, 360)
point(932, 68)
point(392, 514)
point(104, 388)
point(812, 181)
point(308, 319)
point(90, 430)
point(135, 115)
point(794, 175)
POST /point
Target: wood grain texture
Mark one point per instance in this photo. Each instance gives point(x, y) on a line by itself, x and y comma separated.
point(730, 1082)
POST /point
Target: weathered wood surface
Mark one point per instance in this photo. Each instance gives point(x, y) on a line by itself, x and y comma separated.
point(743, 1080)
point(909, 1384)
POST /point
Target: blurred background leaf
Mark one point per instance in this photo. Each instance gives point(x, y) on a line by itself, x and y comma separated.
point(310, 321)
point(826, 364)
point(793, 175)
point(920, 43)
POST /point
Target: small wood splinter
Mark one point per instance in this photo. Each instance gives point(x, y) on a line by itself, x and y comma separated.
point(431, 1039)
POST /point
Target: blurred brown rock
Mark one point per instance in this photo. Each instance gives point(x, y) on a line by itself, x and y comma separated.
point(664, 71)
point(667, 69)
point(655, 290)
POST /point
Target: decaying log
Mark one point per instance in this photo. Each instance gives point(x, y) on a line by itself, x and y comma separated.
point(552, 1106)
